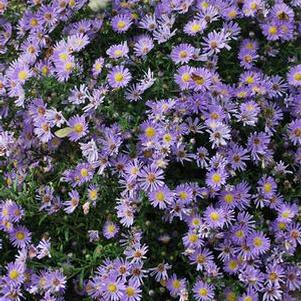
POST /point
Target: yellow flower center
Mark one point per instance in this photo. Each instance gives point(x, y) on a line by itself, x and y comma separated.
point(233, 264)
point(248, 298)
point(84, 172)
point(232, 14)
point(183, 54)
point(150, 132)
point(45, 70)
point(195, 27)
point(167, 138)
point(63, 56)
point(22, 75)
point(118, 77)
point(183, 195)
point(186, 77)
point(111, 228)
point(273, 276)
point(203, 292)
point(297, 76)
point(193, 238)
point(121, 24)
point(13, 275)
point(267, 187)
point(118, 52)
point(130, 291)
point(20, 235)
point(33, 22)
point(93, 195)
point(250, 80)
point(98, 66)
point(160, 196)
point(216, 178)
point(239, 234)
point(286, 214)
point(257, 241)
point(176, 284)
point(69, 66)
point(272, 30)
point(229, 198)
point(112, 288)
point(231, 297)
point(214, 216)
point(78, 128)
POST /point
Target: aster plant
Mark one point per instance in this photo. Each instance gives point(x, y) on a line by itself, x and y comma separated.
point(150, 150)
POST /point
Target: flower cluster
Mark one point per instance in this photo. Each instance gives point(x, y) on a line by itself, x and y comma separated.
point(150, 149)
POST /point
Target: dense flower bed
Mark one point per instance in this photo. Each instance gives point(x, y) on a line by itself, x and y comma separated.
point(150, 150)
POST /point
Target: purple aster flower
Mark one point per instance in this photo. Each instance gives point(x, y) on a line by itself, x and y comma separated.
point(203, 291)
point(72, 204)
point(293, 277)
point(275, 274)
point(121, 22)
point(182, 53)
point(78, 127)
point(183, 77)
point(175, 285)
point(237, 156)
point(98, 66)
point(195, 26)
point(271, 31)
point(201, 79)
point(143, 45)
point(119, 77)
point(15, 274)
point(294, 129)
point(151, 178)
point(113, 288)
point(118, 51)
point(258, 144)
point(286, 212)
point(215, 42)
point(267, 186)
point(110, 230)
point(77, 42)
point(215, 218)
point(161, 197)
point(43, 248)
point(132, 291)
point(55, 282)
point(250, 295)
point(216, 178)
point(20, 237)
point(136, 253)
point(43, 130)
point(48, 14)
point(258, 243)
point(160, 271)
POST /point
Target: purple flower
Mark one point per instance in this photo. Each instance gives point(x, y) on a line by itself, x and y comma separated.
point(113, 288)
point(15, 274)
point(161, 197)
point(151, 178)
point(79, 127)
point(20, 237)
point(182, 53)
point(258, 243)
point(121, 23)
point(203, 291)
point(119, 77)
point(110, 230)
point(118, 51)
